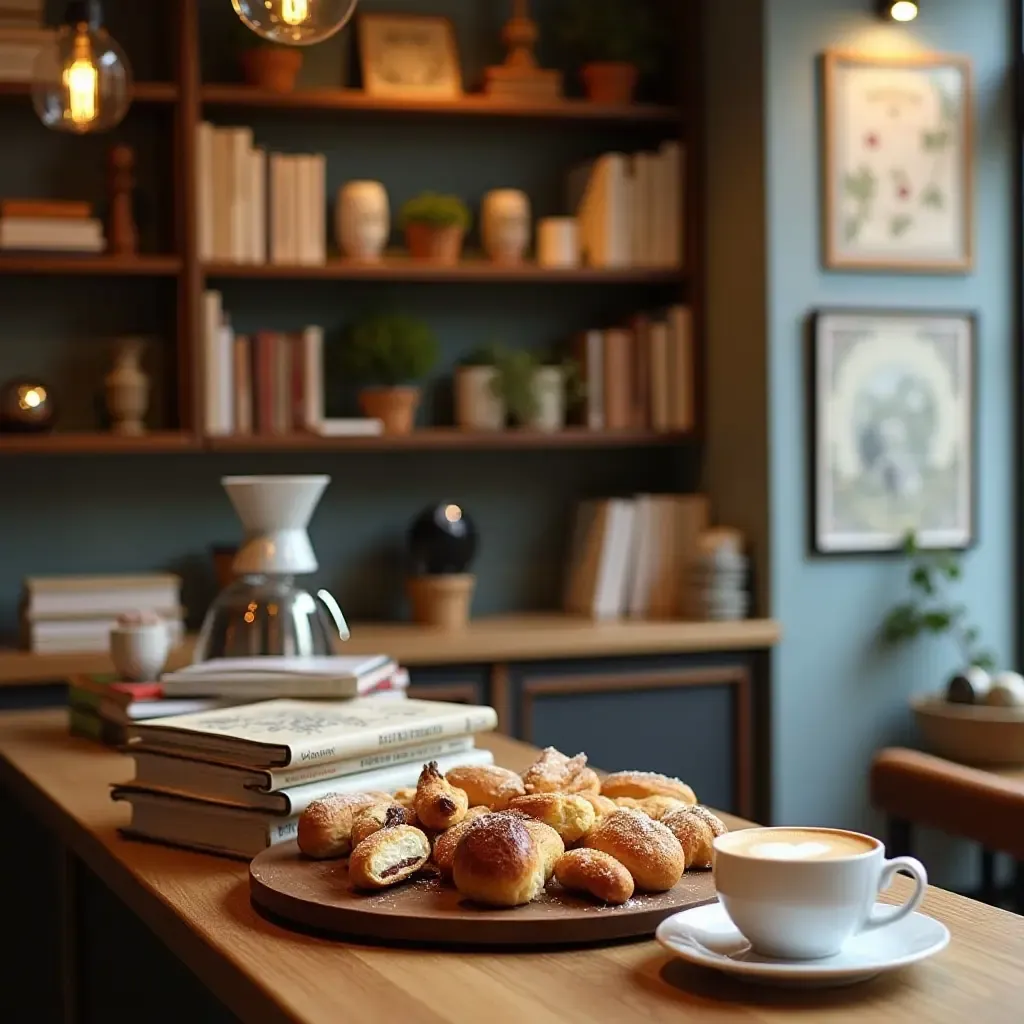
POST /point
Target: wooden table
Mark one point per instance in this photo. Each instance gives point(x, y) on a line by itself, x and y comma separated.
point(198, 909)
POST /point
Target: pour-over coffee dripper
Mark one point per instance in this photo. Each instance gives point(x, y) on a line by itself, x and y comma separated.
point(264, 611)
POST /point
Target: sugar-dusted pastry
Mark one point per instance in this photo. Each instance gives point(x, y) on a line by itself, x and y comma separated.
point(389, 856)
point(627, 801)
point(487, 784)
point(647, 849)
point(569, 814)
point(370, 819)
point(325, 826)
point(657, 807)
point(498, 863)
point(595, 873)
point(602, 804)
point(553, 772)
point(476, 812)
point(640, 785)
point(439, 804)
point(406, 797)
point(443, 855)
point(548, 841)
point(696, 829)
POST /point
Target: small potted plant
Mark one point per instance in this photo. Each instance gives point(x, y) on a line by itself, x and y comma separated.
point(614, 40)
point(267, 65)
point(435, 227)
point(389, 353)
point(478, 406)
point(535, 389)
point(556, 386)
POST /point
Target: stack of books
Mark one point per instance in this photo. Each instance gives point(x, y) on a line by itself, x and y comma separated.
point(49, 225)
point(22, 36)
point(74, 614)
point(233, 781)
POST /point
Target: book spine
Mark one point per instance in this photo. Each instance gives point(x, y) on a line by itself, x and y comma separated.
point(282, 831)
point(315, 750)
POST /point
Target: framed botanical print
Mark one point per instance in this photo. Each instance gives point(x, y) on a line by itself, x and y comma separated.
point(409, 56)
point(898, 163)
point(893, 442)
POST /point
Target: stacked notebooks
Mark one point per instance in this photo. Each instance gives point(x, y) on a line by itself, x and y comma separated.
point(234, 780)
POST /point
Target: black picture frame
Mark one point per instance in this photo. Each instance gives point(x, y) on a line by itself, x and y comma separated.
point(822, 541)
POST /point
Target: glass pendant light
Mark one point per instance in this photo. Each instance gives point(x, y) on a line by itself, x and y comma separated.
point(82, 82)
point(295, 22)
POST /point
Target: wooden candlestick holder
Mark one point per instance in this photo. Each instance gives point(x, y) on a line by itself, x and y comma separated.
point(122, 236)
point(519, 78)
point(443, 601)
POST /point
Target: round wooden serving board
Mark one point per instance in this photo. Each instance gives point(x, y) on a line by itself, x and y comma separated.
point(316, 895)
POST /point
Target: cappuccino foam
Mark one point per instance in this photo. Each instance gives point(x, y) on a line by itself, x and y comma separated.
point(797, 844)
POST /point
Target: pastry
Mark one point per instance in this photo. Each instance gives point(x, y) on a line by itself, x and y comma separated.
point(489, 785)
point(325, 826)
point(370, 819)
point(389, 856)
point(696, 829)
point(406, 797)
point(443, 856)
point(647, 849)
point(602, 804)
point(498, 863)
point(627, 801)
point(595, 873)
point(657, 807)
point(439, 804)
point(476, 812)
point(553, 772)
point(644, 784)
point(568, 814)
point(548, 841)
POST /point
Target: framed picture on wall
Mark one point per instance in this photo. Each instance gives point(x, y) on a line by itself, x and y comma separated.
point(893, 430)
point(410, 57)
point(897, 163)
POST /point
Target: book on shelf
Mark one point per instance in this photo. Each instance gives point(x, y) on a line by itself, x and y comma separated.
point(22, 38)
point(52, 234)
point(284, 733)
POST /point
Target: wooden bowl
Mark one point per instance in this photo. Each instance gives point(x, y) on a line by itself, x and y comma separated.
point(971, 733)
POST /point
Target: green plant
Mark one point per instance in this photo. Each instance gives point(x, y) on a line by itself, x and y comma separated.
point(436, 210)
point(514, 383)
point(929, 609)
point(616, 31)
point(391, 350)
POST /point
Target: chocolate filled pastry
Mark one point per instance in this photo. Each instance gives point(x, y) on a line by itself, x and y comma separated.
point(548, 841)
point(487, 785)
point(370, 819)
point(389, 856)
point(595, 873)
point(439, 804)
point(696, 829)
point(640, 785)
point(553, 772)
point(498, 863)
point(325, 826)
point(569, 814)
point(602, 804)
point(646, 848)
point(443, 856)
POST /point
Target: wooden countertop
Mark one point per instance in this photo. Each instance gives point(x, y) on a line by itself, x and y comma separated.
point(199, 907)
point(486, 640)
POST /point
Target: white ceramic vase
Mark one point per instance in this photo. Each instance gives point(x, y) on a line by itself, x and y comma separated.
point(127, 389)
point(549, 388)
point(477, 407)
point(506, 224)
point(275, 511)
point(363, 220)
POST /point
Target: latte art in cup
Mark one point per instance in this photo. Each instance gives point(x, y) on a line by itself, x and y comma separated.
point(799, 844)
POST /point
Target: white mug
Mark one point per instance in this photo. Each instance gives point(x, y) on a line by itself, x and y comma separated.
point(792, 902)
point(558, 242)
point(140, 652)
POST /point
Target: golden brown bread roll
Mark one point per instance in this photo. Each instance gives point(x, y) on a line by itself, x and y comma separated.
point(696, 829)
point(553, 772)
point(568, 814)
point(602, 804)
point(640, 785)
point(487, 785)
point(406, 797)
point(325, 826)
point(647, 849)
point(439, 805)
point(371, 819)
point(476, 812)
point(595, 873)
point(498, 863)
point(657, 807)
point(443, 856)
point(548, 841)
point(389, 856)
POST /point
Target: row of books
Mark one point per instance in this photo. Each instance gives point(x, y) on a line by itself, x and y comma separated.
point(74, 614)
point(631, 208)
point(254, 206)
point(22, 37)
point(640, 376)
point(50, 225)
point(233, 780)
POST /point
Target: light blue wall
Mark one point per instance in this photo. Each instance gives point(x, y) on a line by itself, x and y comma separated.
point(838, 698)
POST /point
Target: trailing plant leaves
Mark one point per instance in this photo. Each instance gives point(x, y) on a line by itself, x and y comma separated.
point(902, 623)
point(921, 578)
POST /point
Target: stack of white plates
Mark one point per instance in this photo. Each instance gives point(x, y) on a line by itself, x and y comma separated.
point(720, 578)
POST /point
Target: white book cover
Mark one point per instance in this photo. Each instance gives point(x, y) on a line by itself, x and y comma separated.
point(313, 377)
point(284, 733)
point(241, 188)
point(205, 191)
point(318, 196)
point(258, 206)
point(641, 572)
point(613, 588)
point(223, 383)
point(355, 426)
point(222, 201)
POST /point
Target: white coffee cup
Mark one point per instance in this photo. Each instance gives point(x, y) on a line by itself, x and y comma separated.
point(801, 893)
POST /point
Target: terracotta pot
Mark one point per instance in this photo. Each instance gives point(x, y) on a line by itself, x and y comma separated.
point(440, 245)
point(274, 68)
point(394, 407)
point(612, 83)
point(441, 601)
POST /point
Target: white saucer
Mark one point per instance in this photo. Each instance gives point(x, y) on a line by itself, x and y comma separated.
point(705, 936)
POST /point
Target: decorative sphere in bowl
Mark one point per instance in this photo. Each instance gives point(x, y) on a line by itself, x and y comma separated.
point(442, 541)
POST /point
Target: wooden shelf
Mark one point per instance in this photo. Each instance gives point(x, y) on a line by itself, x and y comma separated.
point(451, 439)
point(402, 268)
point(86, 265)
point(96, 443)
point(467, 106)
point(142, 92)
point(503, 638)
